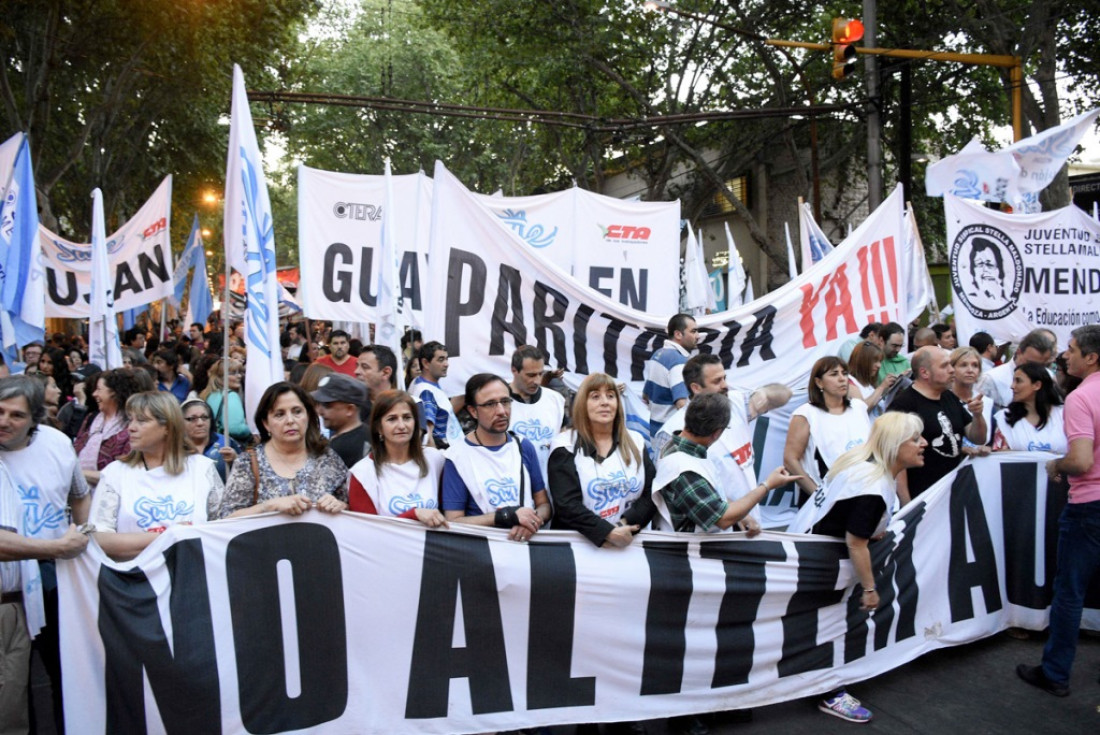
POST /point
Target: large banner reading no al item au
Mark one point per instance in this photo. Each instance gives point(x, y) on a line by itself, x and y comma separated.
point(626, 250)
point(358, 624)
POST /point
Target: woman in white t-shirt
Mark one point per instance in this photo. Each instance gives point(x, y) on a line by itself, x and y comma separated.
point(863, 370)
point(399, 477)
point(157, 485)
point(828, 425)
point(1033, 421)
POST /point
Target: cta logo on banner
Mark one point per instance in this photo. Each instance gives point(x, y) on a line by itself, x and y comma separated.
point(139, 254)
point(1011, 273)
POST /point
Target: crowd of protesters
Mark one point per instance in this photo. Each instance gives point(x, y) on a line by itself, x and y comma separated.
point(121, 454)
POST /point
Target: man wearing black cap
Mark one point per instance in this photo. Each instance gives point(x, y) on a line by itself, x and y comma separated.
point(338, 400)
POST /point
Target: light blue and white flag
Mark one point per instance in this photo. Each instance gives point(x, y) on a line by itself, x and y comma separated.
point(812, 240)
point(250, 248)
point(185, 263)
point(22, 293)
point(1015, 174)
point(103, 348)
point(193, 259)
point(200, 303)
point(391, 305)
point(737, 278)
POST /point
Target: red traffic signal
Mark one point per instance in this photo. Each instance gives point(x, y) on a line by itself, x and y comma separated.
point(845, 31)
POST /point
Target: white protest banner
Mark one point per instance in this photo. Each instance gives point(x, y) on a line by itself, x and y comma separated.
point(359, 624)
point(139, 253)
point(340, 237)
point(1011, 273)
point(544, 221)
point(629, 251)
point(626, 250)
point(496, 294)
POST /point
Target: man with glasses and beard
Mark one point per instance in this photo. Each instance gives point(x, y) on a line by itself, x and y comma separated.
point(492, 476)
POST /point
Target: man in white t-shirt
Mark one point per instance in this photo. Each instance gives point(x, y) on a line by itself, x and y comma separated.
point(538, 413)
point(46, 479)
point(442, 426)
point(732, 453)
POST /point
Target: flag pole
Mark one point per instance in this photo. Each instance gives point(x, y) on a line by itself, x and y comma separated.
point(225, 354)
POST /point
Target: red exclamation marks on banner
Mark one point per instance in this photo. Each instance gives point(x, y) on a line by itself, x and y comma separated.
point(875, 303)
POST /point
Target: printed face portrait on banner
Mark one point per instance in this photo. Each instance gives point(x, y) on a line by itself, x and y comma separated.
point(987, 271)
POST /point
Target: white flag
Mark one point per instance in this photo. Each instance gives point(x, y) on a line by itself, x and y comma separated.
point(696, 278)
point(792, 267)
point(737, 277)
point(391, 306)
point(1015, 174)
point(919, 291)
point(250, 248)
point(103, 346)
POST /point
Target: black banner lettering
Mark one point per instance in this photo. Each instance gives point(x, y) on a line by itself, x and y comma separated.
point(252, 560)
point(453, 562)
point(550, 633)
point(666, 617)
point(183, 676)
point(968, 520)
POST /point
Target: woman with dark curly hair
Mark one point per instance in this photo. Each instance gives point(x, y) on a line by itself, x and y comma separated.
point(293, 468)
point(103, 436)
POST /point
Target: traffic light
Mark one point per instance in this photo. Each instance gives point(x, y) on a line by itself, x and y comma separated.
point(845, 32)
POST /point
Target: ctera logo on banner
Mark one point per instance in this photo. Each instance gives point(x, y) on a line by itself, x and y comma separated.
point(1011, 273)
point(353, 623)
point(340, 219)
point(495, 294)
point(139, 254)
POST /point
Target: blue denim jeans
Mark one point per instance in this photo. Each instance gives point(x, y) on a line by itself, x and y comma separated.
point(1078, 564)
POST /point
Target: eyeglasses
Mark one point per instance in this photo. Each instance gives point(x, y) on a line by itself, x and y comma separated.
point(506, 402)
point(197, 419)
point(238, 373)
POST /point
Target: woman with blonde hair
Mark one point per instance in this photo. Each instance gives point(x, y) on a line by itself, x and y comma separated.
point(157, 485)
point(968, 370)
point(599, 473)
point(855, 504)
point(238, 425)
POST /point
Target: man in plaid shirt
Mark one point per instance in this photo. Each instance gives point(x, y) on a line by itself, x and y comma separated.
point(685, 489)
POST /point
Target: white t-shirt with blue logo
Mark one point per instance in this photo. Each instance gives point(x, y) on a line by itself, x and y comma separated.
point(45, 473)
point(539, 422)
point(135, 500)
